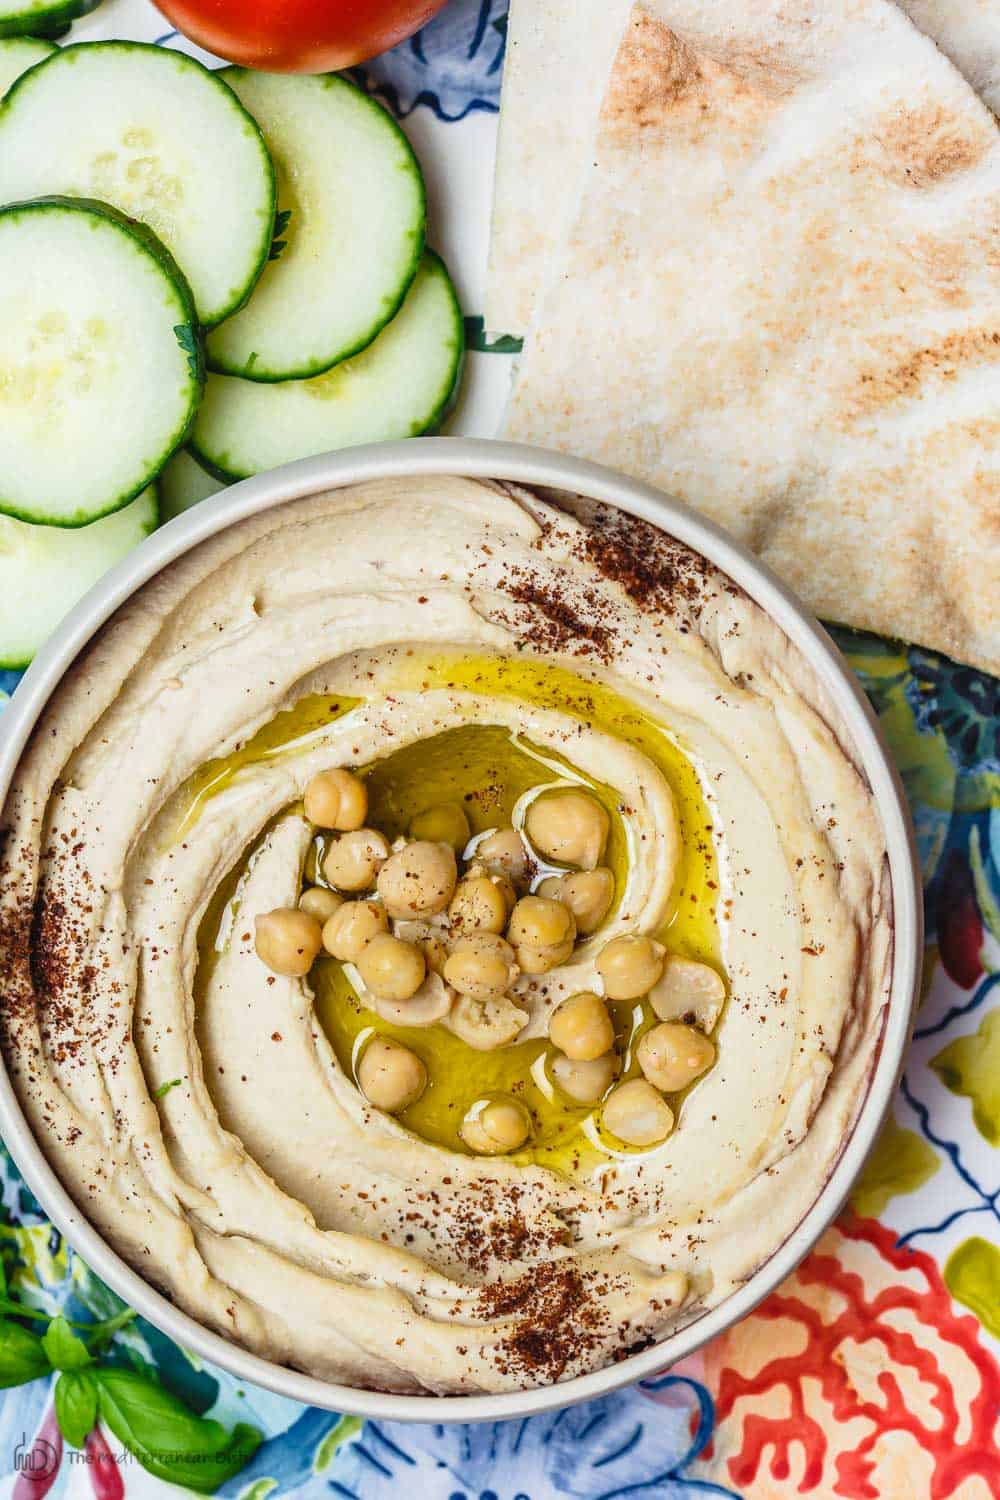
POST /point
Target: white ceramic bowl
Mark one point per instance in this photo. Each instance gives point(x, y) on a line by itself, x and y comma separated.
point(529, 466)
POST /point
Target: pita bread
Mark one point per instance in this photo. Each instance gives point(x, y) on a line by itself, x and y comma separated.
point(779, 299)
point(557, 64)
point(969, 32)
point(555, 71)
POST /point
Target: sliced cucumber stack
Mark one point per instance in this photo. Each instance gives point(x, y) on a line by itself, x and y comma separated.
point(398, 387)
point(44, 570)
point(352, 218)
point(41, 17)
point(18, 54)
point(184, 483)
point(159, 137)
point(100, 370)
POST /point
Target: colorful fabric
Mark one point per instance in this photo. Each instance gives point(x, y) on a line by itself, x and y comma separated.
point(874, 1372)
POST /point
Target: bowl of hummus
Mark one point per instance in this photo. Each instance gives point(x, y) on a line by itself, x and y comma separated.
point(459, 930)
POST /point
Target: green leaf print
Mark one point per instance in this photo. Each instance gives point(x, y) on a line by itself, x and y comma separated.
point(900, 1162)
point(972, 1275)
point(970, 1066)
point(327, 1450)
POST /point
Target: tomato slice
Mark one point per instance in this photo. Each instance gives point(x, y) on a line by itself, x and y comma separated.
point(298, 36)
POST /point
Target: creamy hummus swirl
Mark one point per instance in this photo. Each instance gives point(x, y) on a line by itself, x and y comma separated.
point(199, 1113)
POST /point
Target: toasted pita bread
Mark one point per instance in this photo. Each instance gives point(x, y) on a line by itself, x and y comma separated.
point(557, 64)
point(969, 32)
point(555, 71)
point(779, 299)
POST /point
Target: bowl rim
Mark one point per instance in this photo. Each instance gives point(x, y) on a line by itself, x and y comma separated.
point(483, 458)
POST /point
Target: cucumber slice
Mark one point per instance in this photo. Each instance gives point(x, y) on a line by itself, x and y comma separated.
point(184, 483)
point(351, 185)
point(41, 17)
point(157, 135)
point(100, 371)
point(398, 387)
point(44, 570)
point(18, 54)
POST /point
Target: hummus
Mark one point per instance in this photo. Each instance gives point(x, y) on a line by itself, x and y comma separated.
point(452, 641)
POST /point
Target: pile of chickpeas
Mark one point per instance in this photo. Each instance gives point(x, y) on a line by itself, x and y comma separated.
point(411, 922)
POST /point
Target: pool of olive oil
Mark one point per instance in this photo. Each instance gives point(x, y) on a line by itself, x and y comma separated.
point(488, 770)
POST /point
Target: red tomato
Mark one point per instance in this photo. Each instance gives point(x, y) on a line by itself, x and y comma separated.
point(298, 36)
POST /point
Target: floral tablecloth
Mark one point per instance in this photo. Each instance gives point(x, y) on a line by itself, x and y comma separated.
point(874, 1373)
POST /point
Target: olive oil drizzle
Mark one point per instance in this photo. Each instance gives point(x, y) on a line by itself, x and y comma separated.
point(287, 733)
point(492, 773)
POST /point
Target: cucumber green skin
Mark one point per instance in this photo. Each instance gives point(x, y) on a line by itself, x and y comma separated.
point(449, 395)
point(184, 60)
point(9, 664)
point(147, 240)
point(51, 22)
point(320, 367)
point(437, 416)
point(41, 41)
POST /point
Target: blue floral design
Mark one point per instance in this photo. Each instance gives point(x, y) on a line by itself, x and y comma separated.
point(624, 1443)
point(961, 703)
point(452, 66)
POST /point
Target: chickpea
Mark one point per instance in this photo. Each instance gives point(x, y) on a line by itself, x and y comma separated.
point(336, 799)
point(541, 960)
point(542, 932)
point(351, 928)
point(506, 890)
point(687, 989)
point(418, 880)
point(429, 939)
point(585, 1082)
point(498, 1127)
point(505, 851)
point(390, 968)
point(538, 922)
point(481, 964)
point(587, 893)
point(435, 951)
point(637, 1114)
point(431, 1003)
point(569, 827)
point(486, 1024)
point(445, 823)
point(320, 903)
point(581, 1027)
point(287, 941)
point(630, 966)
point(390, 1075)
point(477, 871)
point(352, 861)
point(673, 1055)
point(478, 904)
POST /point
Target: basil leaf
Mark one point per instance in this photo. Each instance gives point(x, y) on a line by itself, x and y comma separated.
point(22, 1356)
point(65, 1350)
point(98, 1335)
point(168, 1439)
point(21, 1310)
point(76, 1405)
